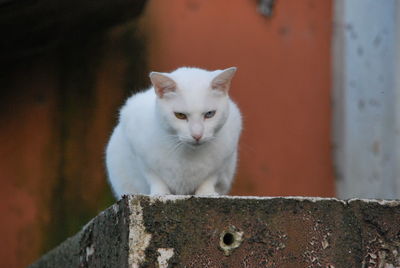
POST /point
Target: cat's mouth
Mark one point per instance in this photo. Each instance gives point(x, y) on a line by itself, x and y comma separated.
point(195, 144)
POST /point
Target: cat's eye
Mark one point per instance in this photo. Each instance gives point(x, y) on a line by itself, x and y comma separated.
point(180, 116)
point(209, 114)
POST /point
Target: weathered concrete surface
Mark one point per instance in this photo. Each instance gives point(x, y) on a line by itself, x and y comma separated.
point(187, 231)
point(103, 242)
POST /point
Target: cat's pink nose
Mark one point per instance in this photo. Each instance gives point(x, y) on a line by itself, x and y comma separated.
point(196, 137)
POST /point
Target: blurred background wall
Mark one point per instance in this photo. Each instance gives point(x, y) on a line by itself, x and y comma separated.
point(282, 85)
point(366, 95)
point(67, 67)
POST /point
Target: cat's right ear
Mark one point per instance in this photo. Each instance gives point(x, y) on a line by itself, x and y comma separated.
point(222, 81)
point(162, 83)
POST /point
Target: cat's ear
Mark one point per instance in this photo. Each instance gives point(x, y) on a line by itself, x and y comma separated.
point(162, 83)
point(223, 80)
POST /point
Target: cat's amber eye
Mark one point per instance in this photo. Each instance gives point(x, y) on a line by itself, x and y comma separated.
point(209, 114)
point(180, 116)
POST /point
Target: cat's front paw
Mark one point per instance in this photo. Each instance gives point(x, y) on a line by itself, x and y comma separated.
point(159, 190)
point(206, 192)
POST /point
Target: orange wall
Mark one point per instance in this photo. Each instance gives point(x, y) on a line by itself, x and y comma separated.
point(282, 84)
point(56, 115)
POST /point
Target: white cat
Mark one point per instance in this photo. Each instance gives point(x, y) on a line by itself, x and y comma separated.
point(178, 137)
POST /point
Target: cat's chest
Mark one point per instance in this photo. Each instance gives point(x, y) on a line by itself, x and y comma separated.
point(189, 160)
point(190, 163)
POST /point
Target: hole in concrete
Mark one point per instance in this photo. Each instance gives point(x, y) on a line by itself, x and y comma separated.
point(228, 239)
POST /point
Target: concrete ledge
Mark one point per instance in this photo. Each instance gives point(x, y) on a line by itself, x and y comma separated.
point(187, 231)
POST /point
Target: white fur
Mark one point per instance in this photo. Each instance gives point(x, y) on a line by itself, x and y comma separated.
point(153, 152)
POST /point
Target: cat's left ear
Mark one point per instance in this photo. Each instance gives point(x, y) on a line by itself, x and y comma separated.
point(162, 83)
point(223, 80)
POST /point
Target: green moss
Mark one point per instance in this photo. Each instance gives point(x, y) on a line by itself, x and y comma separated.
point(77, 105)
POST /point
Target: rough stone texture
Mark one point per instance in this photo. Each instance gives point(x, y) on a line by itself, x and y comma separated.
point(103, 242)
point(187, 231)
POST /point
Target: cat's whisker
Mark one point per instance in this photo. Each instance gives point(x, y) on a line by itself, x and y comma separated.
point(172, 147)
point(175, 147)
point(179, 144)
point(171, 136)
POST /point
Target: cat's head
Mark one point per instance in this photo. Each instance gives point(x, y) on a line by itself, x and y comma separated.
point(193, 103)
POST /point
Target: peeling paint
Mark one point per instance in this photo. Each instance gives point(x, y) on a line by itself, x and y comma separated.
point(89, 252)
point(165, 255)
point(325, 243)
point(139, 239)
point(115, 208)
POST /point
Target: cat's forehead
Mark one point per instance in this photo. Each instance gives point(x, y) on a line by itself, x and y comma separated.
point(186, 77)
point(196, 100)
point(190, 71)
